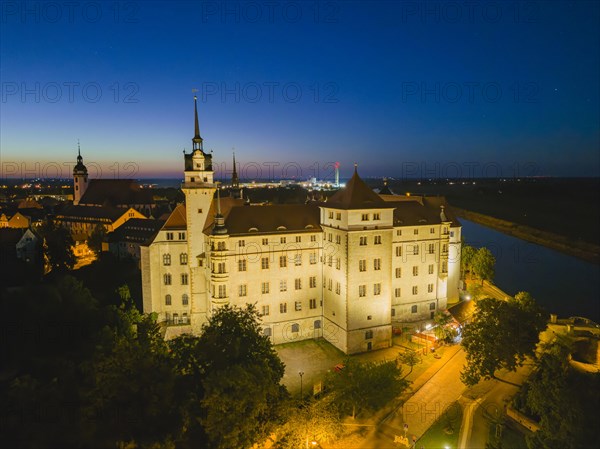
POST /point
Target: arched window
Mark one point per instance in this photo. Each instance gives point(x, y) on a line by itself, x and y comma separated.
point(295, 327)
point(183, 259)
point(166, 259)
point(167, 279)
point(168, 300)
point(184, 299)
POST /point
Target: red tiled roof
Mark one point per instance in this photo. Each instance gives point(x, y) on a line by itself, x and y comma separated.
point(116, 192)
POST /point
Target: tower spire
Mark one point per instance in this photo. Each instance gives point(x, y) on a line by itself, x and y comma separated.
point(235, 182)
point(197, 140)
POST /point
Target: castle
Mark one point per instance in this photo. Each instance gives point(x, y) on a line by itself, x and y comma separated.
point(348, 269)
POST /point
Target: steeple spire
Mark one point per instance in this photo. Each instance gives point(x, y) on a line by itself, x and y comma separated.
point(197, 140)
point(235, 182)
point(219, 227)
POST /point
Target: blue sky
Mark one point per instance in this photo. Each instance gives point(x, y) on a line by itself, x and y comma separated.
point(402, 88)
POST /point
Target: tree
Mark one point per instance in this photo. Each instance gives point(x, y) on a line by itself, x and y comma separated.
point(96, 239)
point(58, 247)
point(483, 264)
point(501, 335)
point(565, 401)
point(366, 386)
point(241, 375)
point(466, 258)
point(315, 420)
point(474, 290)
point(443, 330)
point(409, 358)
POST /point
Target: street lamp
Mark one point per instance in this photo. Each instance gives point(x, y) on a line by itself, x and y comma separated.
point(301, 373)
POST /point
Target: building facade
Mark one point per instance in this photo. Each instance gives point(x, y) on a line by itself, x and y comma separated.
point(348, 269)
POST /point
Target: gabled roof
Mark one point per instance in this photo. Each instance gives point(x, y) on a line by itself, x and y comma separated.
point(356, 195)
point(177, 219)
point(138, 230)
point(104, 213)
point(421, 210)
point(116, 192)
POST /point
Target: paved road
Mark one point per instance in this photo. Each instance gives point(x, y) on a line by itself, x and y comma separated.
point(423, 408)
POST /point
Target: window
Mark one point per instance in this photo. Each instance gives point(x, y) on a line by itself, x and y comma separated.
point(330, 237)
point(416, 250)
point(219, 268)
point(413, 309)
point(329, 284)
point(220, 246)
point(445, 230)
point(298, 306)
point(241, 243)
point(415, 270)
point(283, 285)
point(365, 217)
point(451, 233)
point(363, 241)
point(329, 260)
point(265, 311)
point(331, 214)
point(377, 264)
point(338, 288)
point(264, 263)
point(199, 210)
point(377, 240)
point(377, 289)
point(415, 290)
point(416, 231)
point(182, 236)
point(338, 239)
point(398, 251)
point(184, 279)
point(185, 299)
point(167, 300)
point(242, 265)
point(431, 306)
point(431, 248)
point(397, 292)
point(338, 216)
point(376, 217)
point(430, 268)
point(398, 273)
point(166, 259)
point(393, 312)
point(368, 335)
point(317, 324)
point(362, 265)
point(295, 327)
point(398, 232)
point(222, 291)
point(298, 284)
point(267, 331)
point(298, 260)
point(298, 238)
point(283, 261)
point(444, 248)
point(429, 288)
point(264, 288)
point(265, 241)
point(313, 258)
point(312, 303)
point(432, 230)
point(312, 282)
point(362, 291)
point(169, 236)
point(338, 263)
point(183, 259)
point(167, 279)
point(243, 290)
point(283, 307)
point(444, 267)
point(282, 239)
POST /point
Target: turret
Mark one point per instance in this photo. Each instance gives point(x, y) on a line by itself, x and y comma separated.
point(80, 178)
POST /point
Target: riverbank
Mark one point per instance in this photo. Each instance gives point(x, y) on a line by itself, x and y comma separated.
point(582, 250)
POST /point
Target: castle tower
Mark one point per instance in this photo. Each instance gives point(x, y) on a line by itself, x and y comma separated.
point(80, 178)
point(199, 190)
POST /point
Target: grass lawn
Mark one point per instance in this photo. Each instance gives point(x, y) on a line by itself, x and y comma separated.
point(437, 437)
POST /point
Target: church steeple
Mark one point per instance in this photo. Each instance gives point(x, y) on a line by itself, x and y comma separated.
point(80, 177)
point(235, 181)
point(197, 140)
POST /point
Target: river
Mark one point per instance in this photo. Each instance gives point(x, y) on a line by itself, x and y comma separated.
point(562, 284)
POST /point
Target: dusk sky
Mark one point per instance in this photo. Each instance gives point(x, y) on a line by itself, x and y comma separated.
point(402, 88)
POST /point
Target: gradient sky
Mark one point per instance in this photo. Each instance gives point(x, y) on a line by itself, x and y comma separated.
point(403, 88)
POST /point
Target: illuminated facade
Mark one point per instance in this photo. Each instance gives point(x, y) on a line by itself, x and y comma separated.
point(348, 269)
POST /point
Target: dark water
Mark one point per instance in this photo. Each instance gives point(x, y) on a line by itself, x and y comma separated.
point(562, 284)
